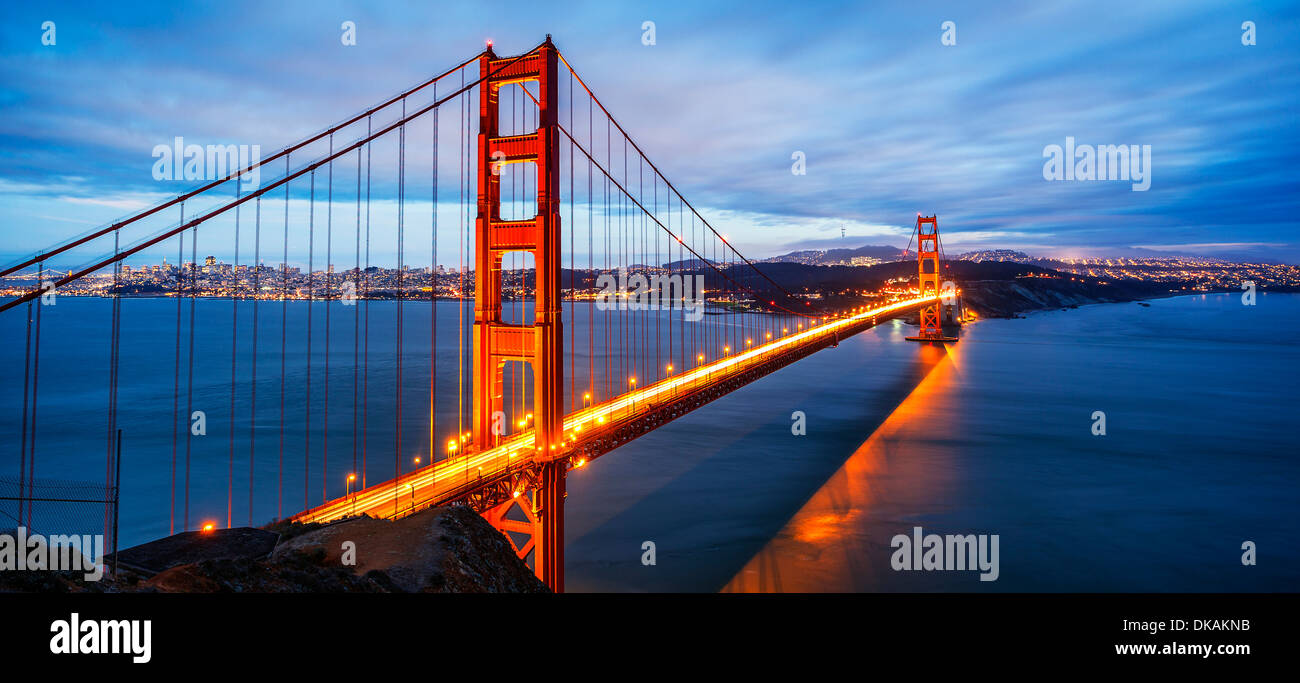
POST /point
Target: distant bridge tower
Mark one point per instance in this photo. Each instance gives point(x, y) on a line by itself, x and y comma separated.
point(540, 344)
point(930, 274)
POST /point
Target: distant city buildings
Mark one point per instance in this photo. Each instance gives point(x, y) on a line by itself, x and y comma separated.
point(1207, 274)
point(218, 279)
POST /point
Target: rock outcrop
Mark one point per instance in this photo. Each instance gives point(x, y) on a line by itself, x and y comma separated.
point(438, 550)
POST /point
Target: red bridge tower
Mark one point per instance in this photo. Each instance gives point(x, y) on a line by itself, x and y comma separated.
point(930, 274)
point(540, 344)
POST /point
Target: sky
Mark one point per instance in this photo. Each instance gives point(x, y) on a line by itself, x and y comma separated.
point(889, 120)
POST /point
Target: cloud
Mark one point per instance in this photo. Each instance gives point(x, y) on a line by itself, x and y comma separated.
point(891, 122)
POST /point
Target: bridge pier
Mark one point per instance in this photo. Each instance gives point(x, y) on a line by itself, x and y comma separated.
point(549, 558)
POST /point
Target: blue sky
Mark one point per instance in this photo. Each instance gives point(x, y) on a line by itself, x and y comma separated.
point(891, 121)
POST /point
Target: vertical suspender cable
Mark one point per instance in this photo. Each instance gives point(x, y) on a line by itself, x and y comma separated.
point(573, 280)
point(22, 448)
point(176, 394)
point(356, 325)
point(311, 301)
point(329, 275)
point(234, 347)
point(609, 358)
point(460, 255)
point(284, 333)
point(433, 287)
point(252, 384)
point(189, 389)
point(397, 384)
point(365, 357)
point(36, 372)
point(114, 332)
point(591, 268)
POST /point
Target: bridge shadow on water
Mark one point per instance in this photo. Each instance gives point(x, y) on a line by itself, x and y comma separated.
point(823, 546)
point(716, 490)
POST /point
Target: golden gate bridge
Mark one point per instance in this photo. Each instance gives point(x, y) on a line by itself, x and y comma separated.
point(541, 386)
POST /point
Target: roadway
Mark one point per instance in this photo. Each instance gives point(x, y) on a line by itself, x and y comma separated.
point(449, 479)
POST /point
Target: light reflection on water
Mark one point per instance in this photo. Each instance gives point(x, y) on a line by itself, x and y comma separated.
point(823, 547)
point(992, 438)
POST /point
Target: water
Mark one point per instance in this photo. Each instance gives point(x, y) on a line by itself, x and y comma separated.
point(369, 396)
point(993, 436)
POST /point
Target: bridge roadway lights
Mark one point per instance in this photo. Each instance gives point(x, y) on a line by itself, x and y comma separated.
point(519, 501)
point(699, 397)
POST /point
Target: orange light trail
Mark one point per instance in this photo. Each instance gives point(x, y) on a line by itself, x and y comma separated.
point(446, 476)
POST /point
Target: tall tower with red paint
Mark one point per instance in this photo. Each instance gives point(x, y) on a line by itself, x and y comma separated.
point(930, 274)
point(540, 344)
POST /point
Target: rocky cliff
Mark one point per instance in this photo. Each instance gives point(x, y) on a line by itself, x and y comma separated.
point(438, 550)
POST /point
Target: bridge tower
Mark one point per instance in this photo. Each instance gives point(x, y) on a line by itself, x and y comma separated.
point(930, 274)
point(540, 345)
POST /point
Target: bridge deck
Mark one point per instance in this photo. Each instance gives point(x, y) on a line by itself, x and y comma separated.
point(454, 478)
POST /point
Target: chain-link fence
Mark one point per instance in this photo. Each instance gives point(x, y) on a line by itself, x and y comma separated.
point(57, 506)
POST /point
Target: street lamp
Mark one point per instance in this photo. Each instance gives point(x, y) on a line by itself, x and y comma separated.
point(412, 487)
point(352, 478)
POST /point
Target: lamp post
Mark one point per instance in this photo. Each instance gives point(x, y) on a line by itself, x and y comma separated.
point(352, 478)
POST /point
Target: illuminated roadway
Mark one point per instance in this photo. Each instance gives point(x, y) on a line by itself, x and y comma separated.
point(449, 479)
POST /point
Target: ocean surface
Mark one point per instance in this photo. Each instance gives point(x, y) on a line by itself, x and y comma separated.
point(993, 435)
